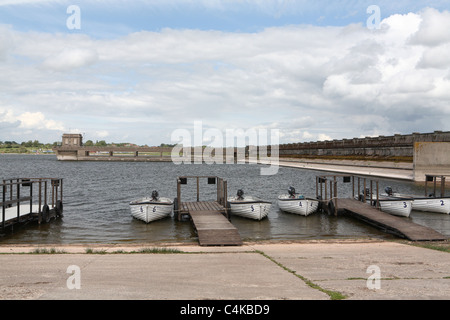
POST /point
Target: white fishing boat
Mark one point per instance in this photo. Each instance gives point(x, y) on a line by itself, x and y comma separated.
point(297, 203)
point(397, 206)
point(249, 206)
point(151, 209)
point(421, 203)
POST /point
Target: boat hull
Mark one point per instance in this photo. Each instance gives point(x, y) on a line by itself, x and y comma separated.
point(302, 207)
point(151, 211)
point(400, 207)
point(256, 210)
point(438, 205)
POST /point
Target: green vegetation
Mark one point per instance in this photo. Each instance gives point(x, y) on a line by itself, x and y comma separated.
point(334, 295)
point(143, 250)
point(26, 147)
point(47, 251)
point(443, 246)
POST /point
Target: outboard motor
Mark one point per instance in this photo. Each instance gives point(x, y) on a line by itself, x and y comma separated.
point(367, 192)
point(388, 190)
point(240, 194)
point(291, 192)
point(155, 195)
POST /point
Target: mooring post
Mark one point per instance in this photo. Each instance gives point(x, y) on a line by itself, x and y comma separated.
point(225, 198)
point(40, 196)
point(353, 187)
point(378, 202)
point(198, 190)
point(18, 198)
point(3, 205)
point(31, 197)
point(335, 197)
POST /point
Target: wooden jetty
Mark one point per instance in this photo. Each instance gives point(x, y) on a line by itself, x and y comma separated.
point(30, 199)
point(399, 226)
point(209, 218)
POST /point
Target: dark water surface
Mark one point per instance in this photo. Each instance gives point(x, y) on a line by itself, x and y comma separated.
point(97, 194)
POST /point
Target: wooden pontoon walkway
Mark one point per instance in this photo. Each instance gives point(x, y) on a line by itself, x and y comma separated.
point(399, 226)
point(210, 218)
point(213, 228)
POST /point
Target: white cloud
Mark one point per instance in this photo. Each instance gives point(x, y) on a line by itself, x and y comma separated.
point(102, 134)
point(29, 120)
point(308, 81)
point(434, 28)
point(71, 58)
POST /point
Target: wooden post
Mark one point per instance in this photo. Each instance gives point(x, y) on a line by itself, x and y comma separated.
point(225, 198)
point(364, 192)
point(442, 186)
point(353, 187)
point(198, 190)
point(335, 197)
point(321, 189)
point(61, 197)
point(3, 205)
point(18, 199)
point(179, 198)
point(378, 202)
point(317, 191)
point(45, 192)
point(359, 187)
point(331, 190)
point(40, 195)
point(31, 197)
point(434, 186)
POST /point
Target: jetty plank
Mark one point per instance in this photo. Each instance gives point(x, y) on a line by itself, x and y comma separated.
point(399, 226)
point(213, 228)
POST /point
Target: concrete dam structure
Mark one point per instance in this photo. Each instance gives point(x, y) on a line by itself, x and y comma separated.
point(424, 153)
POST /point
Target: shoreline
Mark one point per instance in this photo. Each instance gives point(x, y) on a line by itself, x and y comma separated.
point(113, 248)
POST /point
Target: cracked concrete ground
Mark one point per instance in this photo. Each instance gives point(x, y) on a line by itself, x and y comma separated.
point(311, 270)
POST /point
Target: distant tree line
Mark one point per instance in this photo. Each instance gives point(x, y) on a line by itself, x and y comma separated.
point(28, 144)
point(24, 147)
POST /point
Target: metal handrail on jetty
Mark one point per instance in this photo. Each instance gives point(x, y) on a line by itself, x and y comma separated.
point(210, 219)
point(330, 198)
point(40, 207)
point(434, 179)
point(180, 209)
point(370, 213)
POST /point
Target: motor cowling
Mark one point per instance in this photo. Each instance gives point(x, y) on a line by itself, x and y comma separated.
point(291, 191)
point(240, 194)
point(388, 191)
point(155, 195)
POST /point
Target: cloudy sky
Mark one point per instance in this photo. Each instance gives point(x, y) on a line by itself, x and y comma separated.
point(136, 71)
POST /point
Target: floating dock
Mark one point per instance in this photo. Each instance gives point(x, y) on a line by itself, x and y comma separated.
point(209, 218)
point(26, 200)
point(399, 226)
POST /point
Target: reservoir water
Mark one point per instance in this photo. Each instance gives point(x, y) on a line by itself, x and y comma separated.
point(97, 196)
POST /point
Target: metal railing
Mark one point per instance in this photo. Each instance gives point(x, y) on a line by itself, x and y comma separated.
point(49, 196)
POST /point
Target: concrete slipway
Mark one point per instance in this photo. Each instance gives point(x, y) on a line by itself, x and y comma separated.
point(261, 271)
